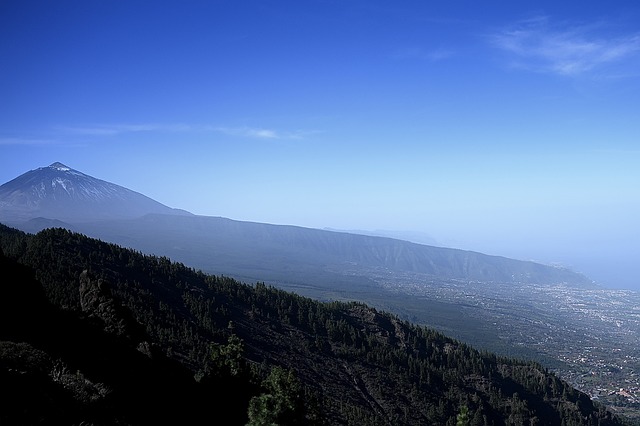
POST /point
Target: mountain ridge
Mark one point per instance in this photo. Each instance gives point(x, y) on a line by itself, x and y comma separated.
point(281, 243)
point(248, 250)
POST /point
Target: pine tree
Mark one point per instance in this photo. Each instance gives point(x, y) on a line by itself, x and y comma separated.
point(281, 404)
point(462, 419)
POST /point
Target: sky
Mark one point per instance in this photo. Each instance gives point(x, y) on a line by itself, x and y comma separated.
point(509, 127)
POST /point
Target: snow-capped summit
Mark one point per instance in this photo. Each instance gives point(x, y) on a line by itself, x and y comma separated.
point(62, 193)
point(60, 166)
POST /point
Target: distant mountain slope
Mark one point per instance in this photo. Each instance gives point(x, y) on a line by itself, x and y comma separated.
point(124, 333)
point(253, 251)
point(280, 252)
point(59, 192)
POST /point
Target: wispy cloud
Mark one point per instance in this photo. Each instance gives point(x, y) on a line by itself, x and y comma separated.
point(432, 55)
point(116, 129)
point(120, 129)
point(542, 46)
point(25, 141)
point(262, 133)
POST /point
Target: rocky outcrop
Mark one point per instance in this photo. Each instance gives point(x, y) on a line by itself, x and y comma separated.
point(97, 301)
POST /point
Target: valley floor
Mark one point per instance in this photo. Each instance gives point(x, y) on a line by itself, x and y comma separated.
point(589, 337)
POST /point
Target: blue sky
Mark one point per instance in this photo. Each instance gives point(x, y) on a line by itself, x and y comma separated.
point(510, 128)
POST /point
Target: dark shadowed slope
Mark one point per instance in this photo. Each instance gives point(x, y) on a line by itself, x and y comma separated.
point(133, 339)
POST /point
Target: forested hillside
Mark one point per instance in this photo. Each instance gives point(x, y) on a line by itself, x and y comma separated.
point(92, 332)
